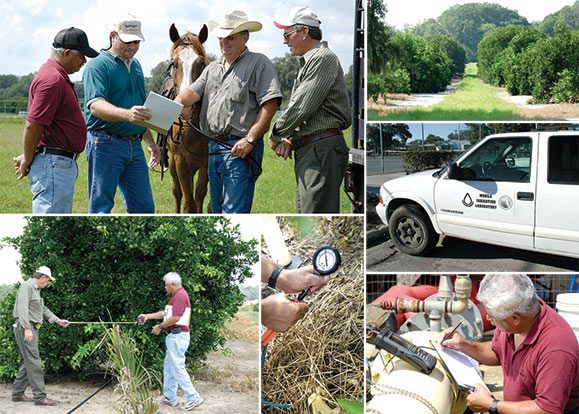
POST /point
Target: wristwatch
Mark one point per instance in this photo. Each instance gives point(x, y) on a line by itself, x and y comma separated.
point(250, 139)
point(493, 408)
point(273, 277)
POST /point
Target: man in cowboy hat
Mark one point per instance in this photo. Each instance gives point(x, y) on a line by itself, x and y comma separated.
point(29, 311)
point(114, 88)
point(318, 111)
point(55, 131)
point(240, 94)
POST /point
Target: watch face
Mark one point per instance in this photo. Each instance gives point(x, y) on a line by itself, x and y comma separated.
point(326, 260)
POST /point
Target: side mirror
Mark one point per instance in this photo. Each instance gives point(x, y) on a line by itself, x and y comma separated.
point(453, 171)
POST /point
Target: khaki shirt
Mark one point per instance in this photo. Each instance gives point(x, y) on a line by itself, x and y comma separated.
point(319, 99)
point(29, 306)
point(232, 98)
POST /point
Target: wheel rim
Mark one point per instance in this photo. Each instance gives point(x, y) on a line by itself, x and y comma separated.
point(409, 232)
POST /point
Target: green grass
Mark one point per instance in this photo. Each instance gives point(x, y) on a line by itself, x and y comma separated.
point(473, 100)
point(274, 192)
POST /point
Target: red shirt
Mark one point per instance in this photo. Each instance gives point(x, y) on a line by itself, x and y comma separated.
point(178, 305)
point(53, 103)
point(545, 368)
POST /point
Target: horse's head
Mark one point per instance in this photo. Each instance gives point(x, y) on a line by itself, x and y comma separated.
point(188, 57)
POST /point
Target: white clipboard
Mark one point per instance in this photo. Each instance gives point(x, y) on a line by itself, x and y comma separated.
point(459, 367)
point(163, 113)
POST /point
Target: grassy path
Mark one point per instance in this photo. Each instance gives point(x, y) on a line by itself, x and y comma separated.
point(472, 101)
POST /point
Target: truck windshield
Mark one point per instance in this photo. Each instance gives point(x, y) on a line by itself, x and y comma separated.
point(499, 159)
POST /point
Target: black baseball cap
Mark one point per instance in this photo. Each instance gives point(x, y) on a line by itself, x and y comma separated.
point(73, 38)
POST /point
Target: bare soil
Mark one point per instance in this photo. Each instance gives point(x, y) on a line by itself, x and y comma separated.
point(229, 384)
point(558, 112)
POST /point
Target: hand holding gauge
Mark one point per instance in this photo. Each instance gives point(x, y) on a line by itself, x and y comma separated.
point(326, 261)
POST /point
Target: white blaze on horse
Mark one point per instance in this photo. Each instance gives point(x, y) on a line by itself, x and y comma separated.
point(188, 147)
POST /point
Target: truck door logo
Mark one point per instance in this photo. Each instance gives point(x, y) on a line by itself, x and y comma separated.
point(505, 202)
point(467, 200)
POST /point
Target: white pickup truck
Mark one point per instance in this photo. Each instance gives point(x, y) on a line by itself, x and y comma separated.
point(516, 190)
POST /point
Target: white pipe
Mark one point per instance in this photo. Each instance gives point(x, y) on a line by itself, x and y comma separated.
point(274, 240)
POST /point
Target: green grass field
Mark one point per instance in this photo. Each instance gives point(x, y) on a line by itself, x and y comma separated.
point(473, 100)
point(274, 192)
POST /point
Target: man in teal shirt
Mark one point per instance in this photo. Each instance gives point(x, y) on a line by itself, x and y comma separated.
point(29, 312)
point(114, 87)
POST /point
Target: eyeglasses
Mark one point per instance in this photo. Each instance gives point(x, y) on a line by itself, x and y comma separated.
point(287, 35)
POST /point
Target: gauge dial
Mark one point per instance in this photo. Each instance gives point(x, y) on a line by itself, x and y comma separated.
point(326, 260)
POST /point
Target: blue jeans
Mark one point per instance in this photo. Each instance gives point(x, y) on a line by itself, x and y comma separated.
point(174, 372)
point(52, 179)
point(116, 162)
point(232, 179)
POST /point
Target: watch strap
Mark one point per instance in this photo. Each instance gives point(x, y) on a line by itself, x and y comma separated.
point(250, 139)
point(273, 277)
point(493, 408)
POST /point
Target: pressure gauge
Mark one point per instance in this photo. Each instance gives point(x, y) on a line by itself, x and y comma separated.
point(326, 260)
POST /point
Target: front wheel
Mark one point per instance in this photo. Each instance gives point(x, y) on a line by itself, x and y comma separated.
point(411, 230)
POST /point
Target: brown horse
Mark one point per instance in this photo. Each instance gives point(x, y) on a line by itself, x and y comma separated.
point(188, 148)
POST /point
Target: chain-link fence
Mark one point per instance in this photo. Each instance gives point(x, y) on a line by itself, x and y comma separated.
point(547, 286)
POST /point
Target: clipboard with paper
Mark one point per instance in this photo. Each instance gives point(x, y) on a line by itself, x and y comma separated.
point(459, 367)
point(163, 113)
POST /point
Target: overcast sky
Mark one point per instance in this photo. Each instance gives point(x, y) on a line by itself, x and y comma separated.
point(28, 27)
point(11, 225)
point(413, 12)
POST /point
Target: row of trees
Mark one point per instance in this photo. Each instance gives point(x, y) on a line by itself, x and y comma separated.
point(403, 63)
point(528, 62)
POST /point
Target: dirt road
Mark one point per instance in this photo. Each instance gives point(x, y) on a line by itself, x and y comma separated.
point(229, 384)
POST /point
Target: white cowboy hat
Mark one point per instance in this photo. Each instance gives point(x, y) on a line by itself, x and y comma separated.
point(234, 21)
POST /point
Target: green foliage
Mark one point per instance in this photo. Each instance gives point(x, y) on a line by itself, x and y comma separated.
point(112, 268)
point(454, 50)
point(135, 382)
point(158, 75)
point(414, 161)
point(352, 407)
point(393, 82)
point(568, 16)
point(380, 137)
point(15, 89)
point(381, 51)
point(287, 68)
point(5, 290)
point(567, 88)
point(427, 63)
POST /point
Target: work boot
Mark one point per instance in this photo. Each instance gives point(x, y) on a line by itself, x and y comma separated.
point(47, 402)
point(22, 398)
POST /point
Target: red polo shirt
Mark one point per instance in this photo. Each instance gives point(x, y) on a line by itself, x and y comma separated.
point(545, 368)
point(52, 102)
point(178, 305)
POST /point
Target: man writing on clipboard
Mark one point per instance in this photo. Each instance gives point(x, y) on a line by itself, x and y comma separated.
point(536, 348)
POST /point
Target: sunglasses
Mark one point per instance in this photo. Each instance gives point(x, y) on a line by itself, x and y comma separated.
point(287, 35)
point(134, 42)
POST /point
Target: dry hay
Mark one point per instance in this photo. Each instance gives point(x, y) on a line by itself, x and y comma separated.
point(324, 351)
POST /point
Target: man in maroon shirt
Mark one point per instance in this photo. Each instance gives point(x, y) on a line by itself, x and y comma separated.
point(176, 318)
point(55, 131)
point(536, 348)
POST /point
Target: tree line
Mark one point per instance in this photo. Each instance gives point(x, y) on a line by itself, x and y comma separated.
point(16, 88)
point(506, 46)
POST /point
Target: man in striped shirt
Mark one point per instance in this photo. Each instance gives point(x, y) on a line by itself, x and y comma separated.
point(318, 111)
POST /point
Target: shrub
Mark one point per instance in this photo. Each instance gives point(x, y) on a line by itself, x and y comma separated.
point(567, 88)
point(112, 268)
point(414, 161)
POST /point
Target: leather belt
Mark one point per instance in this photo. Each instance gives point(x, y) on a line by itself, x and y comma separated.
point(228, 137)
point(316, 137)
point(129, 137)
point(57, 151)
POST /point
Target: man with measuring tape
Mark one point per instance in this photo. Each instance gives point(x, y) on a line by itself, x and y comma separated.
point(176, 317)
point(29, 311)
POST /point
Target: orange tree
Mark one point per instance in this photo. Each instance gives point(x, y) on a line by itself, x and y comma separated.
point(111, 268)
